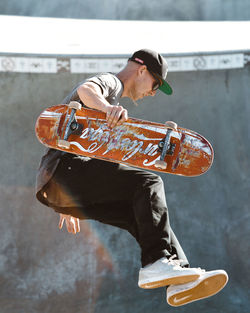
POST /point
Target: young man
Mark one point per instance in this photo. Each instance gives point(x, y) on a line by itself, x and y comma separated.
point(129, 198)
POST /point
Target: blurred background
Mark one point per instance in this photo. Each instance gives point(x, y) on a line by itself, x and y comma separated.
point(46, 48)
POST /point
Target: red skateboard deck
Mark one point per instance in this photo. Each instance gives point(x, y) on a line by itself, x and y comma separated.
point(139, 143)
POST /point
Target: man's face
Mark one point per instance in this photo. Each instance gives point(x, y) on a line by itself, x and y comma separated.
point(144, 84)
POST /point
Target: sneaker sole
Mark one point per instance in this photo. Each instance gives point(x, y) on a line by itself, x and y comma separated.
point(206, 288)
point(169, 281)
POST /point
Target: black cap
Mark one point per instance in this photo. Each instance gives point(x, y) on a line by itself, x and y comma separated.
point(156, 64)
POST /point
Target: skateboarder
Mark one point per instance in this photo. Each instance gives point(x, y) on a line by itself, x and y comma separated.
point(83, 188)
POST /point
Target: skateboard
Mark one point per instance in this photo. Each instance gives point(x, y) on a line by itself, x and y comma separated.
point(144, 144)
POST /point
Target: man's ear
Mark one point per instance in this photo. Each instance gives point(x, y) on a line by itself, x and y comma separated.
point(142, 69)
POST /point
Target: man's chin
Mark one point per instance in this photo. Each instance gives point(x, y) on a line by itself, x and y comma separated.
point(135, 99)
point(139, 97)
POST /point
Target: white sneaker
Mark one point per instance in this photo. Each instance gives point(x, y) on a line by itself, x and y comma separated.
point(206, 286)
point(166, 272)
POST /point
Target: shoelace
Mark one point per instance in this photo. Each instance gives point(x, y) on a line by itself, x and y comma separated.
point(173, 261)
point(177, 262)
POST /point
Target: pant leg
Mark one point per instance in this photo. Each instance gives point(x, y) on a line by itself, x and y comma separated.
point(177, 249)
point(125, 197)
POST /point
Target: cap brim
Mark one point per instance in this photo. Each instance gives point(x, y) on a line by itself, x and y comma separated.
point(166, 88)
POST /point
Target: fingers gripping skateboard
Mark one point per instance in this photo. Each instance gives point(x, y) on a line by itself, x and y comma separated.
point(161, 164)
point(72, 125)
point(75, 105)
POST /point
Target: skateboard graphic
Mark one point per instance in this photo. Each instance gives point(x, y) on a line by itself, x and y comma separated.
point(152, 146)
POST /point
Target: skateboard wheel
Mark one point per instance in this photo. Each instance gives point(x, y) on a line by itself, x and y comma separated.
point(171, 125)
point(160, 164)
point(75, 105)
point(64, 144)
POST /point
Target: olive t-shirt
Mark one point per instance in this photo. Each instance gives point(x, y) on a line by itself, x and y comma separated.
point(110, 85)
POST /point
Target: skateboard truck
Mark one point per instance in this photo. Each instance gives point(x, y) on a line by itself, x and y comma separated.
point(165, 144)
point(72, 126)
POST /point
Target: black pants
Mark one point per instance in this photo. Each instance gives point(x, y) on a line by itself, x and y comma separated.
point(122, 196)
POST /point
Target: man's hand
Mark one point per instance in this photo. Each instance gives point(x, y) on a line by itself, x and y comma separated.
point(72, 223)
point(116, 115)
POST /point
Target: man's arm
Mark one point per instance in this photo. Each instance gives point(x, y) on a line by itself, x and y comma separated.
point(91, 95)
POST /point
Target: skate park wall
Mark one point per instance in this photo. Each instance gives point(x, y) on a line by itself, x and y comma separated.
point(160, 10)
point(43, 269)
